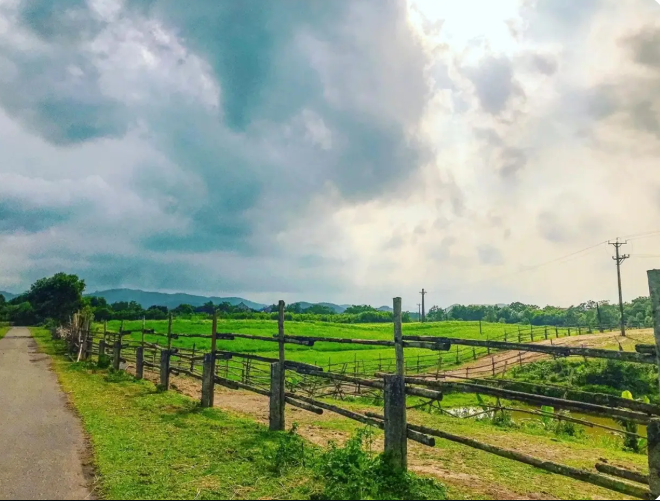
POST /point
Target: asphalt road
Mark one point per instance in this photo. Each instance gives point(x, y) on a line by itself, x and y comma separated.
point(41, 440)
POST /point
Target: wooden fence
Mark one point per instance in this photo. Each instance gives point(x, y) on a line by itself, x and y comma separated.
point(392, 381)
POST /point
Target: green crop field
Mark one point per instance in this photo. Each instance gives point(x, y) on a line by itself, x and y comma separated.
point(324, 354)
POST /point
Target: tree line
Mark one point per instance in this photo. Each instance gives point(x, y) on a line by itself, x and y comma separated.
point(637, 313)
point(54, 299)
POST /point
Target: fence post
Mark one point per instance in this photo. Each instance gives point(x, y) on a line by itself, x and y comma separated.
point(277, 422)
point(101, 350)
point(458, 360)
point(116, 359)
point(139, 362)
point(278, 379)
point(398, 337)
point(208, 380)
point(488, 347)
point(653, 433)
point(654, 289)
point(556, 331)
point(169, 333)
point(165, 369)
point(546, 332)
point(474, 353)
point(396, 427)
point(105, 330)
point(493, 360)
point(531, 333)
point(505, 336)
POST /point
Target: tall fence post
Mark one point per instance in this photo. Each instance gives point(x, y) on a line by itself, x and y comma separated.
point(277, 422)
point(165, 369)
point(653, 433)
point(654, 289)
point(277, 378)
point(116, 356)
point(139, 362)
point(396, 427)
point(169, 333)
point(208, 380)
point(398, 337)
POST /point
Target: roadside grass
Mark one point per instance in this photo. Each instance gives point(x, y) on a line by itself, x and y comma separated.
point(149, 444)
point(4, 329)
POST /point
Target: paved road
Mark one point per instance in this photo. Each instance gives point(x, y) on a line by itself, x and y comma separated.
point(41, 440)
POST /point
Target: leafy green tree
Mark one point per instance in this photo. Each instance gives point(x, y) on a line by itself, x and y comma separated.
point(57, 297)
point(356, 309)
point(319, 309)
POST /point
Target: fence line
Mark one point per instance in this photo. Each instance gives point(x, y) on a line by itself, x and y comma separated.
point(219, 367)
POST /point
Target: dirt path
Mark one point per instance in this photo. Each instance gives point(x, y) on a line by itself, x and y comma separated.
point(41, 441)
point(503, 361)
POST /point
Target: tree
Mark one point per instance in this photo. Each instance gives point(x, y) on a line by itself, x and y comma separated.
point(57, 297)
point(357, 308)
point(319, 309)
point(3, 301)
point(183, 309)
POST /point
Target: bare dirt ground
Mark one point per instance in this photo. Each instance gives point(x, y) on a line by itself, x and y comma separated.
point(42, 445)
point(505, 360)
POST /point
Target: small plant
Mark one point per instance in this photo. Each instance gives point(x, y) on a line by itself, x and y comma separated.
point(504, 419)
point(631, 442)
point(104, 362)
point(290, 452)
point(353, 472)
point(114, 376)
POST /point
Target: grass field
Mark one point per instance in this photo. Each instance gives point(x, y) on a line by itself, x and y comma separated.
point(324, 354)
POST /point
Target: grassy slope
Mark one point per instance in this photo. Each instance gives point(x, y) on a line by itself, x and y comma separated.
point(151, 445)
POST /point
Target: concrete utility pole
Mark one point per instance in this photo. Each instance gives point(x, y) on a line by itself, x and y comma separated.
point(620, 258)
point(419, 309)
point(423, 293)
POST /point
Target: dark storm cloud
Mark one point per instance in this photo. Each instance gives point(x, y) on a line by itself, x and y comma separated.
point(246, 169)
point(644, 46)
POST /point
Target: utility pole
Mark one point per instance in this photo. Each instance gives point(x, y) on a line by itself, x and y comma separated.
point(419, 309)
point(620, 258)
point(423, 293)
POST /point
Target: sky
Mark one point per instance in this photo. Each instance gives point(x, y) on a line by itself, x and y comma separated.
point(332, 151)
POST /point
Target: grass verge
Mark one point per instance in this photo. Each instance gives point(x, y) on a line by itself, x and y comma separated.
point(4, 329)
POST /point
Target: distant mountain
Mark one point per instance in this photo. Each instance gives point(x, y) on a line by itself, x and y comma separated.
point(8, 295)
point(385, 308)
point(147, 299)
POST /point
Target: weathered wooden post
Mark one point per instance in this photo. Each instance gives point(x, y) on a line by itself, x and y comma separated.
point(569, 332)
point(139, 362)
point(277, 379)
point(116, 356)
point(208, 375)
point(458, 360)
point(165, 369)
point(519, 335)
point(653, 433)
point(169, 333)
point(105, 329)
point(556, 331)
point(531, 332)
point(546, 332)
point(144, 326)
point(654, 289)
point(493, 360)
point(101, 350)
point(474, 353)
point(488, 347)
point(396, 426)
point(277, 421)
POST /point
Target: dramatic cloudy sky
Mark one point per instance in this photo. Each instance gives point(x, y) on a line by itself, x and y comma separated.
point(345, 151)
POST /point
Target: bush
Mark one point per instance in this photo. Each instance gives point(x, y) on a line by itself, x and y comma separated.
point(354, 472)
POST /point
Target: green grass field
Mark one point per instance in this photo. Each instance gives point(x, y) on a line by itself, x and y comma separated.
point(324, 354)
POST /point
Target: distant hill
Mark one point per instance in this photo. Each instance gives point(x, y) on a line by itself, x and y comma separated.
point(385, 308)
point(8, 295)
point(147, 299)
point(338, 308)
